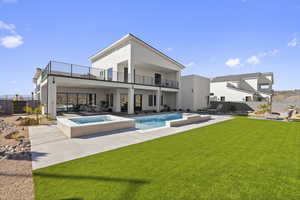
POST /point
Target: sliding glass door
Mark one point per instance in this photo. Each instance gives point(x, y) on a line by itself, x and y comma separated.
point(72, 102)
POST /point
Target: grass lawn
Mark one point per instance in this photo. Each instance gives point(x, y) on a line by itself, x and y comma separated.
point(237, 159)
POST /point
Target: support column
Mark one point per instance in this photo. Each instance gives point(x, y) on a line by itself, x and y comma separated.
point(158, 97)
point(43, 98)
point(117, 106)
point(130, 106)
point(178, 94)
point(51, 97)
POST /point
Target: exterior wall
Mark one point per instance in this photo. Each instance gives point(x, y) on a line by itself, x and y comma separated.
point(252, 83)
point(141, 54)
point(201, 92)
point(220, 89)
point(111, 60)
point(194, 92)
point(187, 100)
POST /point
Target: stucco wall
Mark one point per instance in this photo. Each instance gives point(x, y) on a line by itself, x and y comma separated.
point(194, 92)
point(220, 89)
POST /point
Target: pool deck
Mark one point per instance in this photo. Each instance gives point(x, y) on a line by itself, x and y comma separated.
point(50, 146)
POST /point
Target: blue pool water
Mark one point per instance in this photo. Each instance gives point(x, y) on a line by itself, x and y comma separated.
point(85, 120)
point(155, 121)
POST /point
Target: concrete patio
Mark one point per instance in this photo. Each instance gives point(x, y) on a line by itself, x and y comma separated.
point(49, 146)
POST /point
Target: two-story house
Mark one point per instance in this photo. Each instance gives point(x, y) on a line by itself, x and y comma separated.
point(127, 76)
point(242, 87)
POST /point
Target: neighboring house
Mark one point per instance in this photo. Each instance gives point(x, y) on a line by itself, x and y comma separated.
point(195, 92)
point(127, 76)
point(242, 87)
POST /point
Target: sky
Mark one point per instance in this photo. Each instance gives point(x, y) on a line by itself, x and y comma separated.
point(210, 37)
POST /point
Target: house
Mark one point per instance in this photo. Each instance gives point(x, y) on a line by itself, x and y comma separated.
point(242, 87)
point(127, 76)
point(195, 92)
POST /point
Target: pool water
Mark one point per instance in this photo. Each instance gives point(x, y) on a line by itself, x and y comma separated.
point(85, 120)
point(155, 121)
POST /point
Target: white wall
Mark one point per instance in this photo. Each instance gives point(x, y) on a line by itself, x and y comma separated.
point(194, 92)
point(141, 54)
point(220, 89)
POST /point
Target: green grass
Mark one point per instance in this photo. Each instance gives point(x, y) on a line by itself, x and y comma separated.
point(237, 159)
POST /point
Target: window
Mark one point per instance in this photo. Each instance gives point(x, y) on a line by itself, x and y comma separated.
point(150, 100)
point(222, 98)
point(154, 98)
point(162, 100)
point(157, 79)
point(110, 74)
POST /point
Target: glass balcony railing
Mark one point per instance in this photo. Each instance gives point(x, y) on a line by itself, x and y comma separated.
point(78, 71)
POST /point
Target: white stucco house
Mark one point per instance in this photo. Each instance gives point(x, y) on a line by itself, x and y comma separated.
point(127, 76)
point(195, 92)
point(242, 87)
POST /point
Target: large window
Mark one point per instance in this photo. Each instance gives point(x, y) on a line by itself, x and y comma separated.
point(69, 102)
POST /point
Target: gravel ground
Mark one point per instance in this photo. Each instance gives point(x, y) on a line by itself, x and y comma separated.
point(15, 170)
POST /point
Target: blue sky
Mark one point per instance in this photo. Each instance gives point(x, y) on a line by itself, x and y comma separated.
point(212, 37)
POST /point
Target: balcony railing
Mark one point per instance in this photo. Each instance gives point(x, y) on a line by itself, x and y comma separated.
point(78, 71)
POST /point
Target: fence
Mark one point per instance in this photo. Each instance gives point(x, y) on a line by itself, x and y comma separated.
point(8, 107)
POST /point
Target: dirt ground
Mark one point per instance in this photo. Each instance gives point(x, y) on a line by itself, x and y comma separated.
point(16, 173)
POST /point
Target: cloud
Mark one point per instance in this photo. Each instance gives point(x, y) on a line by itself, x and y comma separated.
point(253, 60)
point(233, 62)
point(293, 42)
point(9, 27)
point(272, 52)
point(169, 49)
point(190, 64)
point(11, 41)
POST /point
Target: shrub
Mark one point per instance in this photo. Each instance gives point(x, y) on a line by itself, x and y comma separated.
point(27, 121)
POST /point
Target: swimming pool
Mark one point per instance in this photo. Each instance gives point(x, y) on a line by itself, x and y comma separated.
point(85, 120)
point(155, 121)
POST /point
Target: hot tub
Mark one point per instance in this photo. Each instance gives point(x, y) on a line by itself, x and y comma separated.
point(81, 126)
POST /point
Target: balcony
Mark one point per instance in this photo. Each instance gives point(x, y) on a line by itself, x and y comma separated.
point(90, 73)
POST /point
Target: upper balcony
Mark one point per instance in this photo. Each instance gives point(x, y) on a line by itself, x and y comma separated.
point(90, 73)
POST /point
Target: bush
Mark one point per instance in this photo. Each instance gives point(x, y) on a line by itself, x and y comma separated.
point(27, 121)
point(232, 108)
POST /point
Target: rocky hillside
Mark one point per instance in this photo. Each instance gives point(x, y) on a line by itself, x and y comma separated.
point(287, 96)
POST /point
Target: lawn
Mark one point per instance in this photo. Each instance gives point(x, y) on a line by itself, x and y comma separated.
point(237, 159)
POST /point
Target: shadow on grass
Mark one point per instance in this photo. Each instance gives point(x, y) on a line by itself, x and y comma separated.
point(129, 193)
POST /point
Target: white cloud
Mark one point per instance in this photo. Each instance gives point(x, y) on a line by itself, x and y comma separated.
point(9, 27)
point(293, 42)
point(272, 52)
point(190, 64)
point(169, 49)
point(233, 62)
point(253, 60)
point(11, 41)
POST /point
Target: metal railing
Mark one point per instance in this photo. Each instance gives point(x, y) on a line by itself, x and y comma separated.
point(78, 71)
